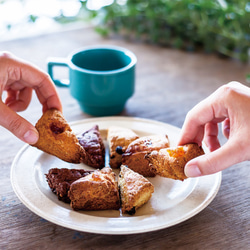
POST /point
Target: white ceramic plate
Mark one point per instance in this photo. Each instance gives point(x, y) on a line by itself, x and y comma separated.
point(172, 202)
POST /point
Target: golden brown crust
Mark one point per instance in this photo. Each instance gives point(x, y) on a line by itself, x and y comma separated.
point(119, 137)
point(134, 156)
point(135, 190)
point(170, 162)
point(96, 191)
point(56, 137)
point(92, 142)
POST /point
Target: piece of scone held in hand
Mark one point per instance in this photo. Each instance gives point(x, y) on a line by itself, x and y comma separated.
point(56, 137)
point(134, 156)
point(170, 162)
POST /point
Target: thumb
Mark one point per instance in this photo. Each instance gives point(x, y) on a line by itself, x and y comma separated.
point(20, 127)
point(215, 161)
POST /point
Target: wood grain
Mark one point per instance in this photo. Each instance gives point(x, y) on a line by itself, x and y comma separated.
point(169, 83)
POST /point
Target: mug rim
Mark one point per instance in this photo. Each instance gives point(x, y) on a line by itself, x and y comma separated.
point(127, 52)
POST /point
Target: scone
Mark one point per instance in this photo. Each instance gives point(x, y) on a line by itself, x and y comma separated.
point(96, 191)
point(56, 137)
point(60, 179)
point(92, 142)
point(135, 190)
point(170, 162)
point(118, 140)
point(134, 156)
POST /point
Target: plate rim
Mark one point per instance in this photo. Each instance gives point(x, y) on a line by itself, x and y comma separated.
point(216, 186)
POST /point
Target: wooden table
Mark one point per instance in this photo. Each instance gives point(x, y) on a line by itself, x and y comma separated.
point(169, 82)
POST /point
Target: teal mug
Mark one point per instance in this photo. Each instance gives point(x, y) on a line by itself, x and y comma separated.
point(101, 78)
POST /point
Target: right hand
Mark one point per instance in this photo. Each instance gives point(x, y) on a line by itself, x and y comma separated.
point(230, 104)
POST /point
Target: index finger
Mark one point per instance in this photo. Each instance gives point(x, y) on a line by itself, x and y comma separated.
point(209, 110)
point(29, 75)
point(47, 94)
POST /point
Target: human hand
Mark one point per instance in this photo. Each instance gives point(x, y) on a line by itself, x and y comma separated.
point(18, 78)
point(229, 104)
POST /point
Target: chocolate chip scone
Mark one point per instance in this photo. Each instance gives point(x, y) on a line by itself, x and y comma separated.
point(118, 140)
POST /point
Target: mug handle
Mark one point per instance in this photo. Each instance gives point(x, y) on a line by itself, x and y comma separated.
point(59, 62)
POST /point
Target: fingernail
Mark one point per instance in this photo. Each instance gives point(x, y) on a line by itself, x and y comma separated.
point(31, 137)
point(192, 171)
